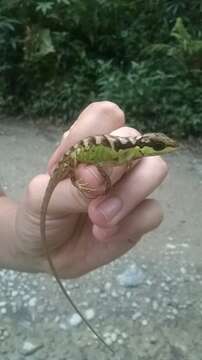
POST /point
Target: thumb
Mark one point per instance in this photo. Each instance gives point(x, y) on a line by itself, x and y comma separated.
point(66, 198)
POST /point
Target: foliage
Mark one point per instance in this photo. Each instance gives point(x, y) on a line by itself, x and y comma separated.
point(146, 55)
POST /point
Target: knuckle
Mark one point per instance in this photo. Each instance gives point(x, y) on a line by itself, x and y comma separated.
point(110, 109)
point(34, 191)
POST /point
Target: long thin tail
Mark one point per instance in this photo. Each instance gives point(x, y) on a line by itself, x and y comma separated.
point(50, 188)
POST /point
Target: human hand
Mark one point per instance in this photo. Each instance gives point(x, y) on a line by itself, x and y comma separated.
point(83, 233)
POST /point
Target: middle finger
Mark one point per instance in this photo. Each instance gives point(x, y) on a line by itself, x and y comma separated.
point(128, 193)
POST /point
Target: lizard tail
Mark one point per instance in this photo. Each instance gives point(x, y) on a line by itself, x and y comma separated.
point(54, 180)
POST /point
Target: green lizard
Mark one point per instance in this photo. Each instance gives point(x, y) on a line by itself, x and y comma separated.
point(102, 150)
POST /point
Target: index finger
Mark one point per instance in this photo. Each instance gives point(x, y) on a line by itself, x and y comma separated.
point(97, 119)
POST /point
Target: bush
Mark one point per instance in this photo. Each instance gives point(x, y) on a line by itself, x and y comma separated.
point(58, 55)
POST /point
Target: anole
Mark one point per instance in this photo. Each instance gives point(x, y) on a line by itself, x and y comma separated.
point(101, 151)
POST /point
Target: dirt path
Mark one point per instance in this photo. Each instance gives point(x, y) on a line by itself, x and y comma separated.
point(158, 319)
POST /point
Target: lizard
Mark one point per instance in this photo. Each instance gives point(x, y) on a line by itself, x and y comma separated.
point(101, 151)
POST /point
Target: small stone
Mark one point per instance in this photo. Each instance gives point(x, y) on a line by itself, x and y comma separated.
point(168, 279)
point(181, 348)
point(131, 277)
point(171, 246)
point(147, 300)
point(144, 322)
point(29, 347)
point(107, 286)
point(114, 294)
point(103, 295)
point(185, 245)
point(89, 314)
point(155, 305)
point(108, 341)
point(107, 337)
point(124, 335)
point(120, 341)
point(183, 270)
point(113, 337)
point(153, 340)
point(128, 294)
point(174, 311)
point(96, 290)
point(32, 302)
point(2, 303)
point(75, 319)
point(63, 326)
point(57, 319)
point(136, 316)
point(3, 333)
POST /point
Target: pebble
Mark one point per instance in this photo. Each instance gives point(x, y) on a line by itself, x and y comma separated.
point(185, 245)
point(89, 314)
point(96, 290)
point(174, 311)
point(183, 270)
point(136, 315)
point(63, 326)
point(14, 293)
point(131, 277)
point(103, 295)
point(30, 347)
point(147, 300)
point(110, 337)
point(153, 340)
point(113, 337)
point(181, 348)
point(149, 282)
point(144, 322)
point(75, 319)
point(124, 335)
point(114, 294)
point(3, 311)
point(32, 302)
point(155, 305)
point(120, 341)
point(107, 286)
point(171, 246)
point(3, 333)
point(2, 303)
point(128, 294)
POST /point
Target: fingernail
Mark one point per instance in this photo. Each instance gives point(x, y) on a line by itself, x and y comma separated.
point(110, 207)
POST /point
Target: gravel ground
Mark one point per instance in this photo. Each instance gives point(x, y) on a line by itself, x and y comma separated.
point(153, 311)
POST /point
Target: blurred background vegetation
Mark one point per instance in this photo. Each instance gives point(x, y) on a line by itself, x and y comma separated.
point(56, 56)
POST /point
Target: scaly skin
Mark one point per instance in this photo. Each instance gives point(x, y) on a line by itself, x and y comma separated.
point(104, 150)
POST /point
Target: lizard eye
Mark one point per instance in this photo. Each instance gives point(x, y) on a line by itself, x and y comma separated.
point(158, 146)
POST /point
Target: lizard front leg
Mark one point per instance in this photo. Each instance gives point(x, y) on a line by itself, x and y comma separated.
point(88, 191)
